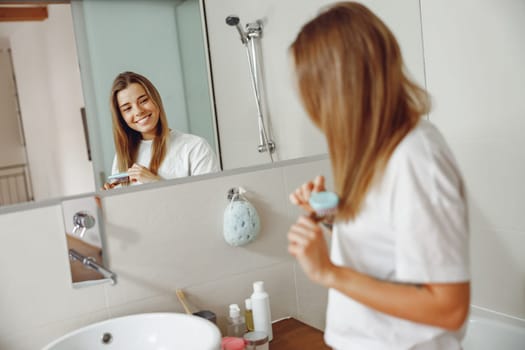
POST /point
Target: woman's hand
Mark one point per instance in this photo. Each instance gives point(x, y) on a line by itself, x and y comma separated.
point(307, 244)
point(108, 186)
point(138, 173)
point(301, 195)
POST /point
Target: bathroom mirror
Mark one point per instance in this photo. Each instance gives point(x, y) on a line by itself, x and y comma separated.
point(58, 131)
point(85, 243)
point(162, 40)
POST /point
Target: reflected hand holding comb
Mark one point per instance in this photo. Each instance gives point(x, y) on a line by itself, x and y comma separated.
point(116, 180)
point(137, 174)
point(140, 174)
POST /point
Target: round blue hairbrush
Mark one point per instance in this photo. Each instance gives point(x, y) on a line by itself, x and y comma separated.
point(324, 204)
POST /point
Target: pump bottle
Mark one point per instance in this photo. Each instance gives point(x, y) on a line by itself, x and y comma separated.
point(236, 324)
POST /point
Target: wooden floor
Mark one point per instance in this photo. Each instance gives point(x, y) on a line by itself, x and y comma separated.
point(291, 334)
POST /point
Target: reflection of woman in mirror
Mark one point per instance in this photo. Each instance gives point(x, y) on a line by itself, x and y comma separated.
point(398, 268)
point(146, 149)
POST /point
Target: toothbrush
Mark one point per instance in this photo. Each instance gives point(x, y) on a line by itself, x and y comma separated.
point(182, 299)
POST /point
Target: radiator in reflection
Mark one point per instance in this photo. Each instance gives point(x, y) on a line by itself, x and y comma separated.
point(14, 186)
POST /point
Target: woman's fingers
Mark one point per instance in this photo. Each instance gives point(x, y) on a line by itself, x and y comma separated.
point(294, 249)
point(306, 243)
point(136, 172)
point(301, 195)
point(294, 199)
point(319, 184)
point(303, 232)
point(107, 186)
point(135, 169)
point(139, 173)
point(306, 190)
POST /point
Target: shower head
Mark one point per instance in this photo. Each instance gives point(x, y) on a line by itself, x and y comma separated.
point(234, 21)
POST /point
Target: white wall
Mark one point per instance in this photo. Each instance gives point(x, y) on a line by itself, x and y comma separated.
point(474, 57)
point(236, 108)
point(157, 241)
point(48, 80)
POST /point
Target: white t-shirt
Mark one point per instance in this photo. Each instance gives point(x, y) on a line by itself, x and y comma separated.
point(413, 228)
point(186, 155)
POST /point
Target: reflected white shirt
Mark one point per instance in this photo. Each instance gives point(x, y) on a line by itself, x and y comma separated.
point(187, 155)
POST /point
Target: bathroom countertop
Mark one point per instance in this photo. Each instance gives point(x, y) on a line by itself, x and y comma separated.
point(291, 334)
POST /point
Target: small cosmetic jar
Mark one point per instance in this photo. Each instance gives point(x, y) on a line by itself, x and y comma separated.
point(256, 341)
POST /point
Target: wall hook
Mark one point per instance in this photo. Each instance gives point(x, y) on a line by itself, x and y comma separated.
point(235, 192)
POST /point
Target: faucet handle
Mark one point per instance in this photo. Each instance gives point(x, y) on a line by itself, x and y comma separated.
point(82, 221)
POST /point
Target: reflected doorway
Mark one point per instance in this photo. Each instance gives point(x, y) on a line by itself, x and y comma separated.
point(48, 124)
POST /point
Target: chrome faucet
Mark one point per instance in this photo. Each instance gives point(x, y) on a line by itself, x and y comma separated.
point(82, 221)
point(90, 263)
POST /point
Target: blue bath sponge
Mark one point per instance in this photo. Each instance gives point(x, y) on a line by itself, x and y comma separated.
point(241, 223)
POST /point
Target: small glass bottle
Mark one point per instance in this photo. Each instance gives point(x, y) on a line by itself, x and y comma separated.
point(236, 324)
point(248, 314)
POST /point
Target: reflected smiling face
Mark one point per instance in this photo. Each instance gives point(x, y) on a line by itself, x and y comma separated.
point(138, 110)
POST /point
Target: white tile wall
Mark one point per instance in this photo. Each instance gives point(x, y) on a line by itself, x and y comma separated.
point(167, 230)
point(498, 269)
point(474, 54)
point(311, 298)
point(34, 270)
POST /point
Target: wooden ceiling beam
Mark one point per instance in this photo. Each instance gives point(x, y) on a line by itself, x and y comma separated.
point(34, 2)
point(15, 14)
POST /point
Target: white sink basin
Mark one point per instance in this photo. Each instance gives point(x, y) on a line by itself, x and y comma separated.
point(150, 331)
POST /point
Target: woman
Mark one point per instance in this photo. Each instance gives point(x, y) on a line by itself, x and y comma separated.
point(398, 270)
point(146, 149)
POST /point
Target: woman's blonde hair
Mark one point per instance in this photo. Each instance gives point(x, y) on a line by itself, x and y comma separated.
point(126, 139)
point(352, 83)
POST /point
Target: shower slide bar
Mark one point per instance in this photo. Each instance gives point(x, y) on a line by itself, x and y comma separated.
point(248, 38)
